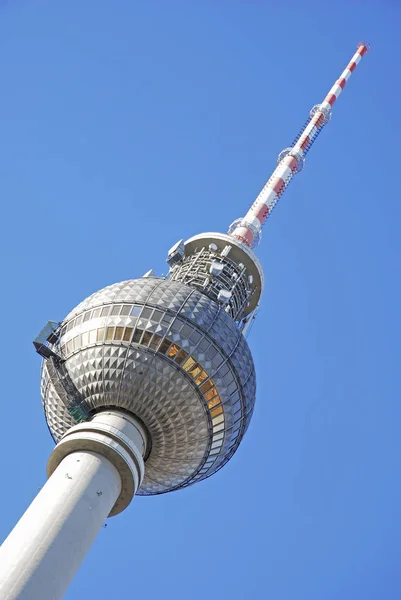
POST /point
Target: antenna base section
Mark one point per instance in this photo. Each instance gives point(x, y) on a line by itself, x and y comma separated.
point(216, 262)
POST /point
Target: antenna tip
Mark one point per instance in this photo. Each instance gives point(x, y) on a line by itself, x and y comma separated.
point(364, 47)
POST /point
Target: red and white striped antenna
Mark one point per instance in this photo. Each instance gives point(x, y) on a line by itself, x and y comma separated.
point(291, 160)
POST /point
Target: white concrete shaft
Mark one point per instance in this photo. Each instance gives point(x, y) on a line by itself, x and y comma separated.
point(43, 552)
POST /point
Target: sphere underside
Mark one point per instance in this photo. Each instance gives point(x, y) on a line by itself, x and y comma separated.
point(171, 356)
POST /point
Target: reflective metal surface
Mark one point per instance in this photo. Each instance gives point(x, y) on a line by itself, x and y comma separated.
point(171, 356)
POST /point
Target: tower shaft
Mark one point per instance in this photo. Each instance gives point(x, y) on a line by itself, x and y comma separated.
point(41, 555)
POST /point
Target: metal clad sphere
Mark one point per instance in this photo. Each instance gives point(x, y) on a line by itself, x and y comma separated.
point(174, 358)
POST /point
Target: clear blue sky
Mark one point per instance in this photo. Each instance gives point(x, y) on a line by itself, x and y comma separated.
point(128, 125)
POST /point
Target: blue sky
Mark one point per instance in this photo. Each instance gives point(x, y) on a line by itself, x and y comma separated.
point(128, 125)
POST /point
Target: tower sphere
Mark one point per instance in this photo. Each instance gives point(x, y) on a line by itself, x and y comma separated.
point(170, 355)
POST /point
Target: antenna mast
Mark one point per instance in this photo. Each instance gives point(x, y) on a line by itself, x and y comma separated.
point(248, 230)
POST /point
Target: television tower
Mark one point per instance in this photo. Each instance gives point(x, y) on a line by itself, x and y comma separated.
point(148, 385)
